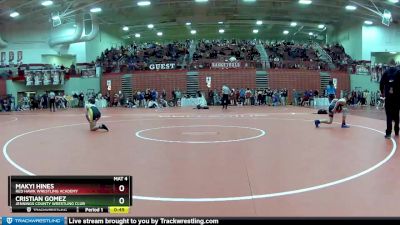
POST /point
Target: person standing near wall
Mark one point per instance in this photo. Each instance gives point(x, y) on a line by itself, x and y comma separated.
point(81, 98)
point(390, 90)
point(52, 100)
point(295, 97)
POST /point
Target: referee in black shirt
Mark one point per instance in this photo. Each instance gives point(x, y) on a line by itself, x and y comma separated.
point(390, 89)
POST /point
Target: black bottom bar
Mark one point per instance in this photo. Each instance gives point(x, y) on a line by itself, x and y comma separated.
point(219, 221)
point(59, 210)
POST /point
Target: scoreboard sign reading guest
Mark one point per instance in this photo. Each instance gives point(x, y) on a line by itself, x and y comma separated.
point(163, 66)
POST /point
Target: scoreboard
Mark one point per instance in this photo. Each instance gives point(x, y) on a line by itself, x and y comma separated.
point(75, 194)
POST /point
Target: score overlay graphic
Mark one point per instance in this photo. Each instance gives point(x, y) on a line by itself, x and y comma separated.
point(87, 194)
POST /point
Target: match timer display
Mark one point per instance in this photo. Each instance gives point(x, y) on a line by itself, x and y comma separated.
point(58, 194)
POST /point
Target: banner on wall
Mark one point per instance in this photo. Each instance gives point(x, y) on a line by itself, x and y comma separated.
point(56, 77)
point(10, 56)
point(109, 85)
point(19, 56)
point(98, 71)
point(208, 82)
point(47, 77)
point(44, 77)
point(362, 70)
point(335, 82)
point(374, 75)
point(88, 73)
point(3, 58)
point(38, 78)
point(29, 78)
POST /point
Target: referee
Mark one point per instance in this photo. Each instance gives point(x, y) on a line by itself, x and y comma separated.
point(331, 91)
point(390, 90)
point(225, 96)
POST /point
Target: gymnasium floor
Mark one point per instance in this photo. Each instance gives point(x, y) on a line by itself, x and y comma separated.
point(244, 162)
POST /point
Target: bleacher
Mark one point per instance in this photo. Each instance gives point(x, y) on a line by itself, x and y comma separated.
point(223, 54)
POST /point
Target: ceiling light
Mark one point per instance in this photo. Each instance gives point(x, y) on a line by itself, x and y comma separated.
point(351, 7)
point(249, 0)
point(144, 3)
point(55, 17)
point(47, 3)
point(125, 28)
point(311, 33)
point(188, 23)
point(95, 10)
point(137, 35)
point(255, 31)
point(259, 22)
point(321, 26)
point(201, 1)
point(293, 24)
point(221, 31)
point(394, 1)
point(159, 33)
point(150, 26)
point(387, 15)
point(393, 53)
point(305, 2)
point(285, 32)
point(220, 22)
point(193, 31)
point(14, 14)
point(368, 22)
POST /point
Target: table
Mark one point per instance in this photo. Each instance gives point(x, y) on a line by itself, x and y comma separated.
point(321, 102)
point(186, 102)
point(72, 102)
point(102, 103)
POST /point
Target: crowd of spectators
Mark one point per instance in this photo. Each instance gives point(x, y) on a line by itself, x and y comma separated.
point(282, 54)
point(338, 55)
point(363, 97)
point(366, 68)
point(291, 55)
point(250, 96)
point(152, 98)
point(82, 69)
point(266, 97)
point(306, 97)
point(149, 98)
point(290, 51)
point(222, 50)
point(138, 56)
point(42, 101)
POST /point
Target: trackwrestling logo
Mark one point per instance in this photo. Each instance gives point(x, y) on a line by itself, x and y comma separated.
point(33, 220)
